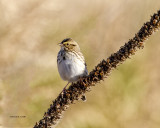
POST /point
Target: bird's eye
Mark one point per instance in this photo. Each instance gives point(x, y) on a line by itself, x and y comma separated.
point(67, 44)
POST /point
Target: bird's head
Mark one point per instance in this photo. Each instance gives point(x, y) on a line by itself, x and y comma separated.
point(69, 44)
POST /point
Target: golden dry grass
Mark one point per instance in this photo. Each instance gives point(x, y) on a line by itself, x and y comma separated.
point(29, 80)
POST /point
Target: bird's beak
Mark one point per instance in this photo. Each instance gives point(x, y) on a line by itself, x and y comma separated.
point(60, 44)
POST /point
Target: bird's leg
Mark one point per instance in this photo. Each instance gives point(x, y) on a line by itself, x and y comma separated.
point(64, 87)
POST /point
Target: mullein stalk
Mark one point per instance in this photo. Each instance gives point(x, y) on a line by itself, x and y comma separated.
point(77, 90)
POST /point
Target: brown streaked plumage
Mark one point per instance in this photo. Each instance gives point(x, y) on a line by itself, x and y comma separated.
point(70, 61)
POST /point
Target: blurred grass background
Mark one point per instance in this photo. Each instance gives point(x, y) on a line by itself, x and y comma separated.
point(29, 80)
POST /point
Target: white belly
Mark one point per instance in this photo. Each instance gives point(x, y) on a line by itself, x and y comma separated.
point(71, 70)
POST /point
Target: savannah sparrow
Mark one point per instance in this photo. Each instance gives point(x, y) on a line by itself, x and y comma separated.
point(70, 61)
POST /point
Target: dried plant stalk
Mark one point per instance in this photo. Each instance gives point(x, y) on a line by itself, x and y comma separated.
point(78, 89)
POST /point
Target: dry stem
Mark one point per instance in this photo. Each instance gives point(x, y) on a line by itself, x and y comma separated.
point(78, 89)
